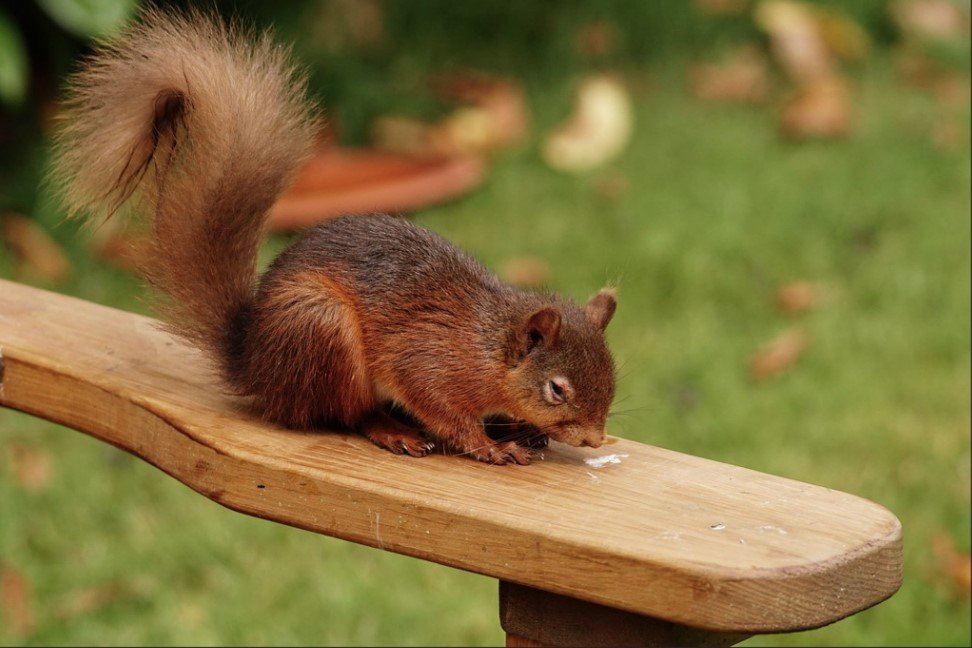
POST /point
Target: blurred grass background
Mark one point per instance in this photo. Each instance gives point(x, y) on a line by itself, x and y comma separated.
point(715, 212)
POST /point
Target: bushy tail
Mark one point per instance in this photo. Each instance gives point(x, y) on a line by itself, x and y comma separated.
point(203, 126)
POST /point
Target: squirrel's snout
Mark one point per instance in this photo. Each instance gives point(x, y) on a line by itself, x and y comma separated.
point(577, 435)
point(595, 440)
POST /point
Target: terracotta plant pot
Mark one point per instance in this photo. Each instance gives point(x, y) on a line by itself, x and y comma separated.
point(339, 181)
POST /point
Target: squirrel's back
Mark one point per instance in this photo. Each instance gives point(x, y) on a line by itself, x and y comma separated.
point(203, 126)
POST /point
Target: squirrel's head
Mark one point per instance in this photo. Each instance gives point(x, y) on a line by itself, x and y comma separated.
point(561, 373)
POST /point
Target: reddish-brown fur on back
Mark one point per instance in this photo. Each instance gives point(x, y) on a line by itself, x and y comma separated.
point(201, 124)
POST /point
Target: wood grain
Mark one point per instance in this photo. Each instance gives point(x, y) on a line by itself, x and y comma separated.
point(659, 533)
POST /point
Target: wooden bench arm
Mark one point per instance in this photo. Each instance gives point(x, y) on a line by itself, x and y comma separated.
point(628, 526)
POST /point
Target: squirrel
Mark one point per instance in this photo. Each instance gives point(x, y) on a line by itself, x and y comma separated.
point(370, 322)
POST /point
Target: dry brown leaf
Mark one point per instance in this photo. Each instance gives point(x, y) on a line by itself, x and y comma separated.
point(495, 115)
point(930, 19)
point(16, 601)
point(819, 109)
point(597, 38)
point(469, 130)
point(403, 135)
point(37, 253)
point(596, 132)
point(88, 600)
point(950, 135)
point(952, 89)
point(612, 185)
point(31, 467)
point(779, 355)
point(797, 296)
point(915, 68)
point(796, 39)
point(957, 566)
point(336, 25)
point(743, 77)
point(527, 272)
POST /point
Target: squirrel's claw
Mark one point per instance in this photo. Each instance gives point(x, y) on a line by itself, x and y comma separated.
point(503, 453)
point(397, 438)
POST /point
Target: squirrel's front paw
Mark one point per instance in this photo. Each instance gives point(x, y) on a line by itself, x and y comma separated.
point(503, 453)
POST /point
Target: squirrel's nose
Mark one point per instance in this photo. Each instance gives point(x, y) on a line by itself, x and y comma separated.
point(594, 440)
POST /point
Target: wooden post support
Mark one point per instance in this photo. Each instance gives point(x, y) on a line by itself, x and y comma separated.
point(533, 617)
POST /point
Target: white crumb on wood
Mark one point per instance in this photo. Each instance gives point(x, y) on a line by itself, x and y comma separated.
point(600, 462)
point(770, 527)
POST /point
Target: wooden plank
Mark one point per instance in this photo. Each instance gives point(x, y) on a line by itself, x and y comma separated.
point(658, 533)
point(533, 617)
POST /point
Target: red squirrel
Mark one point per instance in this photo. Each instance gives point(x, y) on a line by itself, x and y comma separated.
point(370, 322)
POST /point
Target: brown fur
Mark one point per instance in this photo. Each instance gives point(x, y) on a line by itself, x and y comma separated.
point(370, 321)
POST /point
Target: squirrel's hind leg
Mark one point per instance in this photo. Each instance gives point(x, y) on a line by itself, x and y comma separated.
point(304, 358)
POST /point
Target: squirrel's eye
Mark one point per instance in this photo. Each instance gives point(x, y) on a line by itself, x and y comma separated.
point(556, 391)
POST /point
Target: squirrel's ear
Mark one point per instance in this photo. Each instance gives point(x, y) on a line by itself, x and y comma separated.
point(600, 308)
point(541, 329)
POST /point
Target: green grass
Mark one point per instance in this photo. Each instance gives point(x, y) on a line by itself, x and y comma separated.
point(719, 212)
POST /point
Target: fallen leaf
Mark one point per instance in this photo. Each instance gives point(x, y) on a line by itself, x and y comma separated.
point(597, 38)
point(31, 467)
point(16, 601)
point(950, 135)
point(337, 25)
point(88, 600)
point(956, 565)
point(403, 135)
point(495, 113)
point(779, 354)
point(469, 130)
point(930, 19)
point(917, 69)
point(527, 272)
point(952, 89)
point(796, 40)
point(612, 186)
point(743, 77)
point(797, 297)
point(596, 132)
point(37, 253)
point(818, 109)
point(493, 116)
